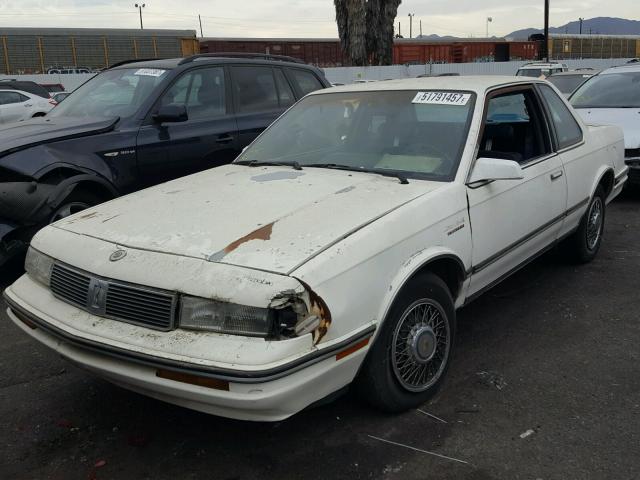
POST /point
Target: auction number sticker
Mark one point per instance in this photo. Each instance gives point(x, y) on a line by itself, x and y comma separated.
point(150, 72)
point(442, 98)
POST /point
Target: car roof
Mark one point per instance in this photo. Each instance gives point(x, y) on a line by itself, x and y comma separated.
point(576, 73)
point(628, 68)
point(541, 65)
point(172, 63)
point(478, 84)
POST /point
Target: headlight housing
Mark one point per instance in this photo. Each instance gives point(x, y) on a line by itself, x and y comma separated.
point(38, 266)
point(221, 317)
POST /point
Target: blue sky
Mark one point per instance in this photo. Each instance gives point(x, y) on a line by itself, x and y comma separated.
point(298, 18)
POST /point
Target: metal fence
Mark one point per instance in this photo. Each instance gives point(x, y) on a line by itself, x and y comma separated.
point(348, 75)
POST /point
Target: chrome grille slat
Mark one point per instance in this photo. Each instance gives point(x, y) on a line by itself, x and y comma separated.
point(127, 303)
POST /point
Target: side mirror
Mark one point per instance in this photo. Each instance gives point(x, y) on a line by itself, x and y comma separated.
point(171, 114)
point(487, 169)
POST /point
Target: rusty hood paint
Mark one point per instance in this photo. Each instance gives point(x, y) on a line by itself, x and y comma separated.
point(267, 218)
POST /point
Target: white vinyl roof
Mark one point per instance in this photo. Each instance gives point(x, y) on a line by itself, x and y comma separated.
point(478, 84)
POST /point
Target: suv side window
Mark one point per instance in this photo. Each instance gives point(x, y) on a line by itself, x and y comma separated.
point(201, 91)
point(567, 129)
point(7, 98)
point(514, 128)
point(255, 89)
point(306, 81)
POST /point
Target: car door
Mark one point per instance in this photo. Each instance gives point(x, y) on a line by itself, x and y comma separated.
point(514, 220)
point(15, 106)
point(580, 162)
point(261, 94)
point(207, 139)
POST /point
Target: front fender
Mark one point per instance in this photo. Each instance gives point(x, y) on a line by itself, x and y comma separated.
point(413, 265)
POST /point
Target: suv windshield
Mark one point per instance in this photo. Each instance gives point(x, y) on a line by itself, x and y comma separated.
point(407, 133)
point(114, 93)
point(612, 90)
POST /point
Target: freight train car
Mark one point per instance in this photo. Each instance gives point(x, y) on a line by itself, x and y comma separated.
point(417, 51)
point(568, 46)
point(326, 52)
point(56, 50)
point(323, 52)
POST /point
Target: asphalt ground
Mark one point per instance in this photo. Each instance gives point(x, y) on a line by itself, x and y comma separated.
point(544, 385)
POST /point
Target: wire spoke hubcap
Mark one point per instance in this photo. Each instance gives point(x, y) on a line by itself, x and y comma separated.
point(420, 345)
point(594, 223)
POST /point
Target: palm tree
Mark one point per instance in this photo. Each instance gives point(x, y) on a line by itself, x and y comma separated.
point(366, 29)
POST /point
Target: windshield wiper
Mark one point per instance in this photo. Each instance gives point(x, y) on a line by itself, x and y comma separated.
point(403, 180)
point(256, 163)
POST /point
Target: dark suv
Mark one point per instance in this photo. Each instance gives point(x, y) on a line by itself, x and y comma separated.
point(135, 125)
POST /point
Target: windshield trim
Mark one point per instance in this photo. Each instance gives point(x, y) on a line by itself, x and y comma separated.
point(389, 172)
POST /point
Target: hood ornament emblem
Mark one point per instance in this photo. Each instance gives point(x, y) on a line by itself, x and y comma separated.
point(117, 255)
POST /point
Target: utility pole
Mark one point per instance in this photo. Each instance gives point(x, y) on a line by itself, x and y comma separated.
point(581, 20)
point(140, 6)
point(411, 15)
point(200, 20)
point(420, 28)
point(545, 48)
point(489, 20)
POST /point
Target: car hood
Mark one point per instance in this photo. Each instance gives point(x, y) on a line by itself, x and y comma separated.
point(37, 131)
point(268, 218)
point(626, 118)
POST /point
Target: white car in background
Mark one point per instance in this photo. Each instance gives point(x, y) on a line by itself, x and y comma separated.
point(541, 69)
point(18, 105)
point(613, 98)
point(335, 249)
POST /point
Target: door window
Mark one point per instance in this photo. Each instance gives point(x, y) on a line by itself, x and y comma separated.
point(201, 91)
point(567, 129)
point(255, 89)
point(7, 98)
point(307, 81)
point(514, 128)
point(284, 90)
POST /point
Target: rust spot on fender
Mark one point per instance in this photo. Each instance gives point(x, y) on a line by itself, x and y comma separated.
point(263, 233)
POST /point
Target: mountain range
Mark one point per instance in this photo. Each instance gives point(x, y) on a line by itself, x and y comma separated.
point(599, 25)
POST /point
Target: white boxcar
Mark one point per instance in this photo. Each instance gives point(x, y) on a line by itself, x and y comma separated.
point(335, 250)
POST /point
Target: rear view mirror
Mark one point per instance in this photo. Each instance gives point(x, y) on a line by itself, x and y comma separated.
point(487, 169)
point(171, 114)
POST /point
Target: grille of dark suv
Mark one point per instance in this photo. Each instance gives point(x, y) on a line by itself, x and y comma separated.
point(632, 153)
point(111, 299)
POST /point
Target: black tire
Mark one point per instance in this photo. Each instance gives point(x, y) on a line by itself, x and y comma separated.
point(74, 203)
point(581, 246)
point(380, 381)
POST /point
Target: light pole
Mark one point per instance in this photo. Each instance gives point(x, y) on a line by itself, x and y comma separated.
point(140, 6)
point(581, 20)
point(489, 20)
point(545, 48)
point(411, 15)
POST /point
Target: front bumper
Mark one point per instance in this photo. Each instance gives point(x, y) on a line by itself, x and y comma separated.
point(250, 393)
point(634, 170)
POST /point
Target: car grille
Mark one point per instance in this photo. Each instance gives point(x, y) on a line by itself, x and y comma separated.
point(111, 299)
point(632, 153)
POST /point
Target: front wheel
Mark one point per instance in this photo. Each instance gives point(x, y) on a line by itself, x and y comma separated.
point(583, 245)
point(411, 355)
point(76, 202)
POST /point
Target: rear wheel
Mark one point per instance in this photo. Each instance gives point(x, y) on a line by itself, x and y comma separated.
point(411, 355)
point(583, 245)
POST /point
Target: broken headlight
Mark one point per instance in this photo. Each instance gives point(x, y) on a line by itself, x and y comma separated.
point(38, 266)
point(222, 317)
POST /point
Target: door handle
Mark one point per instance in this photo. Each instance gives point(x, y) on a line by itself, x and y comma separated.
point(224, 139)
point(27, 105)
point(556, 175)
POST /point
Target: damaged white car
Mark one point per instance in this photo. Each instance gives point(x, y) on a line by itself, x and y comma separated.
point(335, 250)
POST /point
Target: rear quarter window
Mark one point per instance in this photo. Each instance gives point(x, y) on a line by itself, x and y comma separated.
point(306, 81)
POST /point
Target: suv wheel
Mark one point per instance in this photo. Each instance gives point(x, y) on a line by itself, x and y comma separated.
point(74, 203)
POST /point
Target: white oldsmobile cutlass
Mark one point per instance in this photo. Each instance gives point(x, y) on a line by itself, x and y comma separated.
point(335, 250)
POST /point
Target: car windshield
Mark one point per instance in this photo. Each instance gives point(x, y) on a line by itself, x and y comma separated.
point(612, 90)
point(404, 133)
point(567, 83)
point(114, 93)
